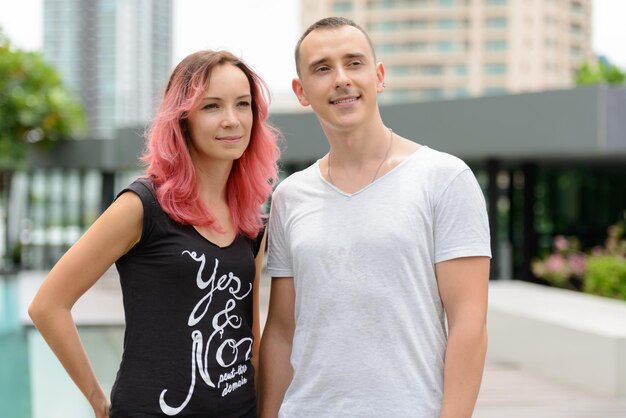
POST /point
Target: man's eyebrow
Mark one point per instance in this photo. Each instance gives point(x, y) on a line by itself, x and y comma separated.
point(354, 55)
point(351, 55)
point(317, 62)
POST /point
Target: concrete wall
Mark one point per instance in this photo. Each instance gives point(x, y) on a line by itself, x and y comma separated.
point(582, 123)
point(570, 337)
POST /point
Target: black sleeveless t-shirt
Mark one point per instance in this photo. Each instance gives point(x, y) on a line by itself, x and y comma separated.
point(188, 310)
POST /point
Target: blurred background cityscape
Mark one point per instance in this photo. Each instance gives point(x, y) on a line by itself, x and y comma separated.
point(531, 93)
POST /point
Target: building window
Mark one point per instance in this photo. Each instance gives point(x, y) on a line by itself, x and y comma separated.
point(417, 46)
point(431, 69)
point(417, 24)
point(446, 3)
point(496, 22)
point(495, 69)
point(390, 4)
point(402, 95)
point(447, 23)
point(447, 46)
point(576, 29)
point(461, 92)
point(432, 94)
point(495, 91)
point(400, 70)
point(460, 69)
point(387, 48)
point(495, 2)
point(496, 45)
point(384, 26)
point(342, 6)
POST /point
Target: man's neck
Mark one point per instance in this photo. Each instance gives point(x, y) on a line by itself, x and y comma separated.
point(359, 145)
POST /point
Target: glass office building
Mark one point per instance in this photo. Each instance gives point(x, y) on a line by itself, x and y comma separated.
point(114, 54)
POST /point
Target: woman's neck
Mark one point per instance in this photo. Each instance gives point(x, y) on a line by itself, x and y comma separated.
point(212, 181)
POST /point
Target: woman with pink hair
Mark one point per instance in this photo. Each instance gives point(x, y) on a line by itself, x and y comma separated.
point(187, 240)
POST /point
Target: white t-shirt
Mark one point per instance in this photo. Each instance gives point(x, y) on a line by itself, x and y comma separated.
point(370, 333)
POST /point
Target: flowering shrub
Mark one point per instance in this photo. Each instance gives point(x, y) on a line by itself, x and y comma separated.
point(601, 272)
point(565, 266)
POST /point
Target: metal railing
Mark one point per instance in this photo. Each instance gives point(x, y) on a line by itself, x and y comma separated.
point(48, 209)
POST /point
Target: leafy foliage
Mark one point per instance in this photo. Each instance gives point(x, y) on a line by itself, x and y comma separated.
point(606, 276)
point(606, 266)
point(35, 107)
point(601, 73)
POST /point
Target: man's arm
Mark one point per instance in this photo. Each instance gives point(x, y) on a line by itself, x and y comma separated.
point(276, 372)
point(463, 286)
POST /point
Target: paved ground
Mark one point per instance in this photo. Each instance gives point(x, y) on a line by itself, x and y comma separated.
point(510, 392)
point(507, 390)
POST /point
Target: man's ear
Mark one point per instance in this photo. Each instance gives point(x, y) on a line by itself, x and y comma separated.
point(296, 85)
point(380, 77)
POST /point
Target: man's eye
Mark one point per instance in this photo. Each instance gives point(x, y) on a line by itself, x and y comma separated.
point(322, 69)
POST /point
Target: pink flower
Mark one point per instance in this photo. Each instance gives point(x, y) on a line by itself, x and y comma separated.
point(597, 250)
point(561, 243)
point(555, 262)
point(577, 264)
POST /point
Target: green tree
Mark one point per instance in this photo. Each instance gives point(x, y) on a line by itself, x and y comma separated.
point(601, 73)
point(35, 110)
point(35, 107)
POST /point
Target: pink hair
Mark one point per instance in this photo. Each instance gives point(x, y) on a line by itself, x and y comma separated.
point(169, 164)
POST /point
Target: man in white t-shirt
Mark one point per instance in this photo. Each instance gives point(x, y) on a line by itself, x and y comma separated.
point(379, 256)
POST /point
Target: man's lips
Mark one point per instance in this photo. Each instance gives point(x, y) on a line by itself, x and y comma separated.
point(344, 100)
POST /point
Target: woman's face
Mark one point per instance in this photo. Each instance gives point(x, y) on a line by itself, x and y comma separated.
point(219, 127)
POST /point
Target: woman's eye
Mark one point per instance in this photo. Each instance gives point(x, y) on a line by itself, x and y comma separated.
point(210, 106)
point(244, 103)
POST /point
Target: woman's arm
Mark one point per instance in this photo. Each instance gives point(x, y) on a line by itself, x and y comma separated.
point(113, 234)
point(276, 371)
point(256, 320)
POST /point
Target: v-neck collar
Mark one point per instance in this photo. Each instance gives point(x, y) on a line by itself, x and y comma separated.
point(390, 172)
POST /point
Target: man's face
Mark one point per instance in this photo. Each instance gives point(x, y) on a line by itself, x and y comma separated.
point(338, 77)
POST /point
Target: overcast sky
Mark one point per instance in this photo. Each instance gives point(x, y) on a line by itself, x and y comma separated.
point(264, 32)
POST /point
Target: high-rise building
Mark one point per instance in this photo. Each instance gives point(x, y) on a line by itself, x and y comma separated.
point(454, 48)
point(114, 54)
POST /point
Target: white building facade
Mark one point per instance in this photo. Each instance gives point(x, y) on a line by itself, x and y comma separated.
point(434, 49)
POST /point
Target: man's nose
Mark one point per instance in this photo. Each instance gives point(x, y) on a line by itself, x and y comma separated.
point(341, 78)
